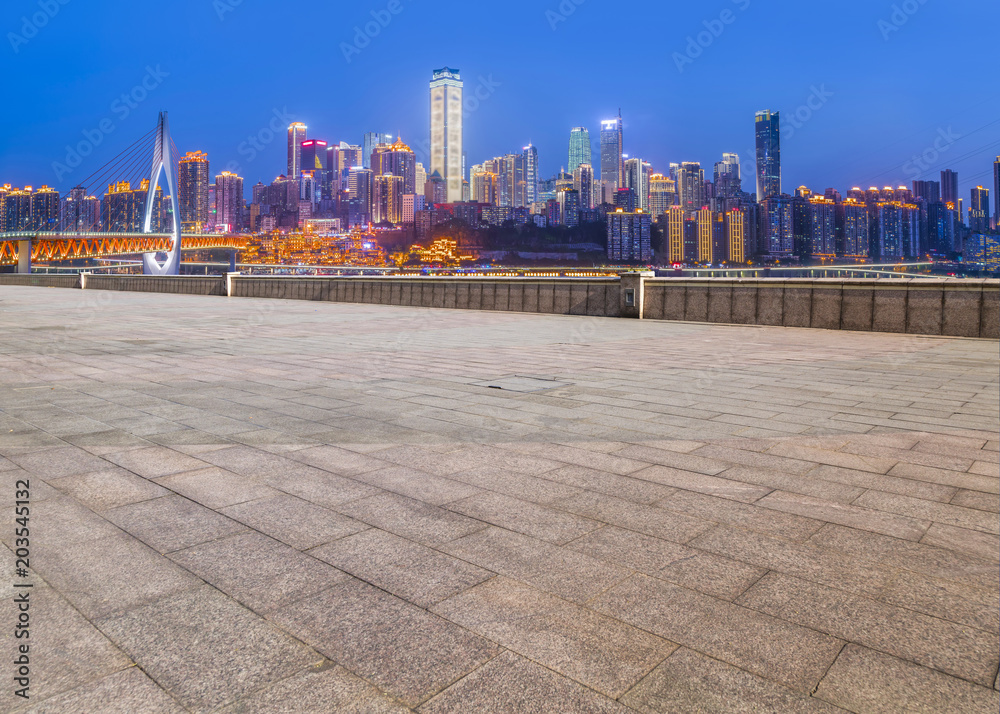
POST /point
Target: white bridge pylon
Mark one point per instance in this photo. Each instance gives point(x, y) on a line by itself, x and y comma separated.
point(165, 160)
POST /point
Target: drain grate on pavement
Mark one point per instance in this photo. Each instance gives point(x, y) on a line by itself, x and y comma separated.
point(518, 383)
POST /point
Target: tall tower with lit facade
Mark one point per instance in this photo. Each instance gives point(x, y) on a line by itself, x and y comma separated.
point(579, 148)
point(979, 210)
point(767, 129)
point(296, 135)
point(446, 130)
point(229, 202)
point(612, 159)
point(192, 192)
point(996, 194)
point(530, 174)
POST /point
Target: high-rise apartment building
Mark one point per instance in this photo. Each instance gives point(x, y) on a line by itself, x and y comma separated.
point(930, 191)
point(579, 148)
point(296, 135)
point(229, 201)
point(662, 195)
point(691, 186)
point(629, 237)
point(359, 186)
point(728, 184)
point(778, 226)
point(79, 212)
point(612, 156)
point(675, 234)
point(583, 183)
point(736, 236)
point(387, 199)
point(45, 209)
point(123, 208)
point(636, 177)
point(856, 230)
point(446, 130)
point(767, 130)
point(192, 192)
point(979, 210)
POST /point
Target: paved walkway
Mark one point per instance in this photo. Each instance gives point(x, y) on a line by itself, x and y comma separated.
point(277, 506)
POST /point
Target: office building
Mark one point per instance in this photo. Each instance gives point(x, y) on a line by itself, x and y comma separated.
point(296, 135)
point(579, 148)
point(856, 229)
point(629, 236)
point(930, 191)
point(675, 234)
point(636, 177)
point(778, 227)
point(396, 159)
point(360, 189)
point(949, 191)
point(767, 130)
point(530, 154)
point(739, 250)
point(79, 212)
point(569, 207)
point(369, 143)
point(446, 131)
point(412, 205)
point(192, 192)
point(387, 199)
point(996, 194)
point(612, 157)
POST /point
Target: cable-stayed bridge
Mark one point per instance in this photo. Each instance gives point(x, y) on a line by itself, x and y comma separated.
point(130, 221)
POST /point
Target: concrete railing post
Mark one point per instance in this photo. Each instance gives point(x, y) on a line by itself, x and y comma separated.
point(632, 293)
point(83, 280)
point(229, 284)
point(24, 256)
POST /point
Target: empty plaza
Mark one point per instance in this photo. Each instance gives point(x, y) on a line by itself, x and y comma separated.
point(262, 505)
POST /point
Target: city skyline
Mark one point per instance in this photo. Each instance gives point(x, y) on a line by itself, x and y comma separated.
point(852, 127)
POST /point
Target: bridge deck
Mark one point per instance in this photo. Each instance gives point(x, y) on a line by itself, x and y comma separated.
point(314, 506)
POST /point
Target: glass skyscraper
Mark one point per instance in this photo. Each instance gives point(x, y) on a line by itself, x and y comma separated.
point(612, 161)
point(446, 130)
point(296, 135)
point(768, 134)
point(579, 148)
point(530, 174)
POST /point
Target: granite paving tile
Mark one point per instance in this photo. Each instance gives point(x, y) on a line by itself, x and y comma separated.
point(767, 646)
point(531, 519)
point(127, 690)
point(960, 651)
point(411, 519)
point(599, 652)
point(109, 488)
point(864, 680)
point(293, 521)
point(865, 513)
point(216, 488)
point(943, 513)
point(172, 522)
point(406, 651)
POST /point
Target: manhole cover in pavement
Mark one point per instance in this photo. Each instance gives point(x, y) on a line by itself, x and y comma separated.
point(518, 383)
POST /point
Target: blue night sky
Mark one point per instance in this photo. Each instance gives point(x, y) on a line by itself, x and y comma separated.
point(883, 85)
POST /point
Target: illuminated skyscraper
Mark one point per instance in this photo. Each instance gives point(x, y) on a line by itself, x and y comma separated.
point(996, 194)
point(728, 184)
point(583, 183)
point(530, 174)
point(691, 186)
point(856, 231)
point(662, 195)
point(675, 234)
point(359, 184)
point(396, 159)
point(387, 199)
point(421, 174)
point(371, 141)
point(579, 148)
point(629, 236)
point(776, 213)
point(192, 192)
point(949, 191)
point(446, 130)
point(636, 177)
point(612, 159)
point(979, 210)
point(768, 135)
point(296, 135)
point(736, 236)
point(229, 201)
point(80, 212)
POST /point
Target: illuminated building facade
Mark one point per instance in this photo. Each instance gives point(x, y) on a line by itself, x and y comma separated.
point(530, 156)
point(662, 194)
point(675, 234)
point(45, 209)
point(856, 228)
point(229, 202)
point(387, 199)
point(446, 130)
point(123, 208)
point(706, 225)
point(80, 213)
point(691, 186)
point(296, 135)
point(372, 140)
point(192, 192)
point(979, 210)
point(612, 154)
point(396, 159)
point(583, 183)
point(636, 177)
point(579, 148)
point(778, 227)
point(629, 237)
point(736, 236)
point(767, 131)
